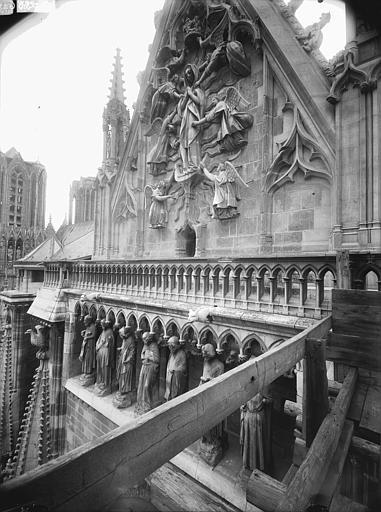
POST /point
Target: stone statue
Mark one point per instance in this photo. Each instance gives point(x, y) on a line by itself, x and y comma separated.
point(125, 369)
point(176, 379)
point(87, 354)
point(190, 110)
point(158, 213)
point(105, 359)
point(211, 443)
point(163, 96)
point(313, 36)
point(149, 374)
point(167, 143)
point(231, 135)
point(226, 193)
point(255, 433)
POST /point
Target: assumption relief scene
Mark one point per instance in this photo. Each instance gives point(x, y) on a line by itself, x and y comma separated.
point(202, 331)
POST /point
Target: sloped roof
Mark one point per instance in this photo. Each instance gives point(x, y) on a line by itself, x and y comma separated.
point(49, 305)
point(42, 252)
point(77, 241)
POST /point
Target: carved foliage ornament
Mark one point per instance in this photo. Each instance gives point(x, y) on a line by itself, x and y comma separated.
point(299, 152)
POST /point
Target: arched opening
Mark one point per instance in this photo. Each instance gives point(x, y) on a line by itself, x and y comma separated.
point(329, 284)
point(371, 281)
point(186, 241)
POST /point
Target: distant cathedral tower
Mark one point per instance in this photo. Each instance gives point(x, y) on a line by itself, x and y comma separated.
point(22, 210)
point(116, 119)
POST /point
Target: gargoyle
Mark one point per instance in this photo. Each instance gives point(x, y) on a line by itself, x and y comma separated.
point(91, 296)
point(201, 315)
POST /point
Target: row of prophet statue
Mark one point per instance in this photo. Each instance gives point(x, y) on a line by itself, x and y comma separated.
point(97, 358)
point(196, 109)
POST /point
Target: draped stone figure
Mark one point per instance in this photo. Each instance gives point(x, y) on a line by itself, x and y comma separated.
point(190, 110)
point(176, 378)
point(255, 433)
point(125, 369)
point(105, 359)
point(149, 374)
point(87, 354)
point(211, 443)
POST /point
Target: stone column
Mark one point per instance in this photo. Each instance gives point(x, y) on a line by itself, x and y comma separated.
point(57, 394)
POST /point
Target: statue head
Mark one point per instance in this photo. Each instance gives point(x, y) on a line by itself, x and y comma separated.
point(175, 79)
point(189, 75)
point(125, 331)
point(325, 18)
point(208, 351)
point(173, 344)
point(105, 324)
point(88, 320)
point(148, 337)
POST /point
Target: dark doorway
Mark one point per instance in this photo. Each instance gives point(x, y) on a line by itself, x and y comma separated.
point(190, 240)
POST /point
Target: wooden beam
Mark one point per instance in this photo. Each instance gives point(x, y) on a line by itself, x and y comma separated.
point(366, 448)
point(310, 476)
point(341, 503)
point(333, 477)
point(355, 350)
point(124, 457)
point(315, 392)
point(264, 492)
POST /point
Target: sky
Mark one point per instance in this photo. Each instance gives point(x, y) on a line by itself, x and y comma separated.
point(55, 77)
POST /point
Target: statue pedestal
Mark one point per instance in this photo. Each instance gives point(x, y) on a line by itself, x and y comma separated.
point(210, 452)
point(87, 379)
point(102, 389)
point(123, 400)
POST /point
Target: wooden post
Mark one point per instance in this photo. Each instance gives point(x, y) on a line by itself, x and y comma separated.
point(312, 472)
point(264, 491)
point(315, 393)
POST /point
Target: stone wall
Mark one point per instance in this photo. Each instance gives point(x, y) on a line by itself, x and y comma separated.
point(83, 423)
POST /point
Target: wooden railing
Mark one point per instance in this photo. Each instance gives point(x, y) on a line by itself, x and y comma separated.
point(285, 286)
point(93, 475)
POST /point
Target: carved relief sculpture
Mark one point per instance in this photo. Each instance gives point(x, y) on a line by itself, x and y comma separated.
point(211, 443)
point(149, 374)
point(226, 193)
point(176, 378)
point(166, 146)
point(125, 369)
point(105, 360)
point(233, 124)
point(190, 110)
point(158, 213)
point(87, 354)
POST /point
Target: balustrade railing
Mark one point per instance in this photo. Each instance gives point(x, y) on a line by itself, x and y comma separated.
point(286, 286)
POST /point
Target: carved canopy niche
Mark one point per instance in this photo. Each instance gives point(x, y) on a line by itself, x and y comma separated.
point(298, 152)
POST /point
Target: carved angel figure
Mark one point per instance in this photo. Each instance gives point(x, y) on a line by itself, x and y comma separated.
point(158, 213)
point(226, 193)
point(233, 123)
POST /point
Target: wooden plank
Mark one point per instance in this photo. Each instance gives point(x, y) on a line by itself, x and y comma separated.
point(124, 457)
point(335, 469)
point(310, 476)
point(356, 312)
point(366, 448)
point(290, 474)
point(359, 297)
point(341, 503)
point(177, 491)
point(355, 350)
point(315, 392)
point(357, 404)
point(371, 413)
point(263, 491)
